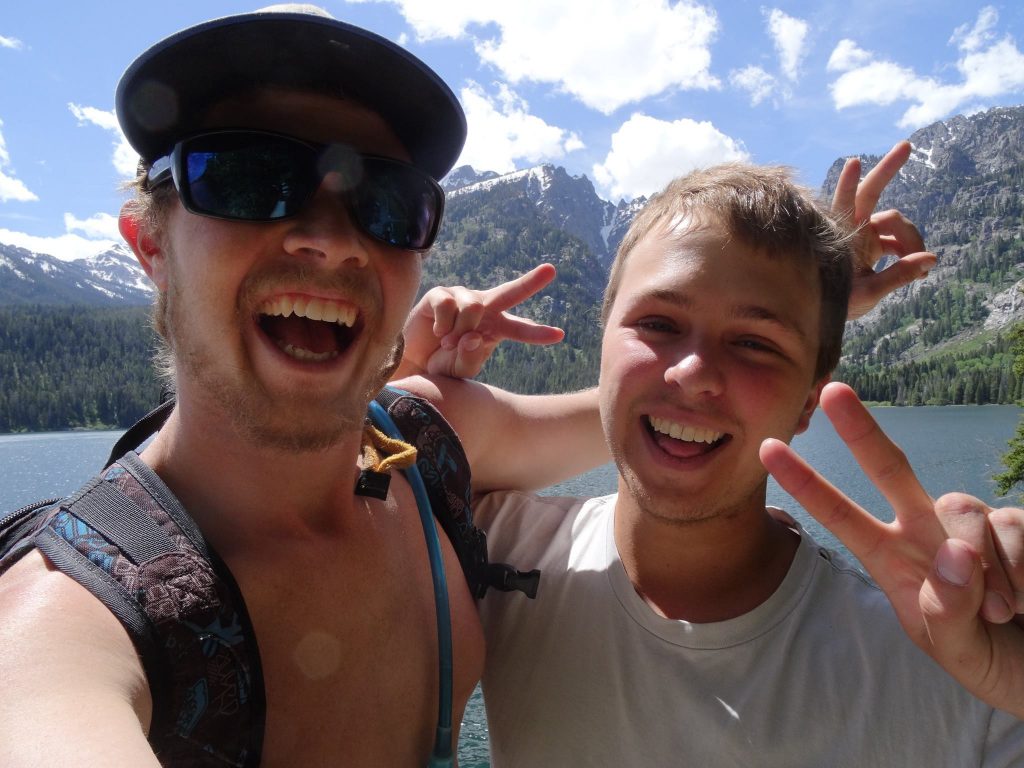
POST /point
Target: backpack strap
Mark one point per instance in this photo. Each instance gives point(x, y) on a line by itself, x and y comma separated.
point(119, 536)
point(441, 756)
point(16, 531)
point(445, 470)
point(142, 429)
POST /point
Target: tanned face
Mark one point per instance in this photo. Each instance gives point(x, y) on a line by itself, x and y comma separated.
point(709, 348)
point(289, 327)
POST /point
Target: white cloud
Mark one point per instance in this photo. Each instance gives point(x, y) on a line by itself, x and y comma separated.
point(847, 55)
point(14, 189)
point(125, 159)
point(69, 247)
point(11, 42)
point(502, 130)
point(11, 188)
point(101, 226)
point(880, 82)
point(602, 52)
point(987, 73)
point(647, 153)
point(998, 70)
point(758, 83)
point(438, 19)
point(790, 36)
point(968, 38)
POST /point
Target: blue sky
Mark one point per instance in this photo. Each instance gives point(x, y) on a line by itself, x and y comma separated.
point(627, 92)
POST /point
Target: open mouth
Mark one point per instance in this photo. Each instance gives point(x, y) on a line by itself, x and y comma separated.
point(684, 441)
point(308, 329)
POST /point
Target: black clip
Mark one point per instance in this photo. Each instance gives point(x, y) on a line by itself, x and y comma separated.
point(507, 579)
point(373, 484)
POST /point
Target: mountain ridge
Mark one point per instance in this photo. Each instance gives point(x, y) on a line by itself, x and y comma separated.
point(963, 186)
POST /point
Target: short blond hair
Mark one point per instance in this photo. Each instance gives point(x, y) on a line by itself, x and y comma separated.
point(762, 207)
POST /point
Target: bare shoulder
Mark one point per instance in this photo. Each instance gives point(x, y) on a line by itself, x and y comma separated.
point(67, 664)
point(467, 405)
point(438, 389)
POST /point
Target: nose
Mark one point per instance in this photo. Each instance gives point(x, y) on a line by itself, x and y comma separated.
point(697, 372)
point(324, 230)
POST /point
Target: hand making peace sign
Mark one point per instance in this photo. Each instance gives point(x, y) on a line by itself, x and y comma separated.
point(452, 331)
point(953, 568)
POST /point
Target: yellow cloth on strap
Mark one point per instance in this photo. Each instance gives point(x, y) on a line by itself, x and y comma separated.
point(382, 453)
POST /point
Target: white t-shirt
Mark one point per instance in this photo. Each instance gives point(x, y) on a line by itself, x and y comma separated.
point(821, 674)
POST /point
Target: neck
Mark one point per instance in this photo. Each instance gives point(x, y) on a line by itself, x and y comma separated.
point(704, 570)
point(222, 477)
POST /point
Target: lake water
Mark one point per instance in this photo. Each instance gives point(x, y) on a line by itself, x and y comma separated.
point(955, 448)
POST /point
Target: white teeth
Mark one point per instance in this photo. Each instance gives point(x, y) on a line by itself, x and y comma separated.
point(687, 433)
point(304, 354)
point(314, 309)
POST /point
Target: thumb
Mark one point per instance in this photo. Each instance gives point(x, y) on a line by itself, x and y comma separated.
point(950, 602)
point(869, 289)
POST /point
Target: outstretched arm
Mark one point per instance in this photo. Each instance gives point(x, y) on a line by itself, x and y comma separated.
point(953, 569)
point(68, 667)
point(879, 234)
point(520, 442)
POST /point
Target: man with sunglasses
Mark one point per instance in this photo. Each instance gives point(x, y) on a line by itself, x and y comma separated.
point(287, 190)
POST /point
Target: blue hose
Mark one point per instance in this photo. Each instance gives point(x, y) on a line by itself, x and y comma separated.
point(442, 754)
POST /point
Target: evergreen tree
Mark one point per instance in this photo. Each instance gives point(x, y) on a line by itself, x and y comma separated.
point(1014, 458)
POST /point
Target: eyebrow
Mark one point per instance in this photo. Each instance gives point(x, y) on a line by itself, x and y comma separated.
point(757, 312)
point(741, 311)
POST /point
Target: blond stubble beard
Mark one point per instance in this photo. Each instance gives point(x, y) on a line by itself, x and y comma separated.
point(251, 410)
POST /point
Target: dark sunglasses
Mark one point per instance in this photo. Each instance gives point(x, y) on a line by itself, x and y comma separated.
point(245, 175)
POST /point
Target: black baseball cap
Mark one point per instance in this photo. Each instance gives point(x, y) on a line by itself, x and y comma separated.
point(166, 92)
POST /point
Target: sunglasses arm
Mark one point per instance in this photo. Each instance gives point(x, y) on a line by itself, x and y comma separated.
point(159, 171)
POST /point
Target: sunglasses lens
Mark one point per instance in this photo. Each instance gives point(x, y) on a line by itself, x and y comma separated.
point(397, 204)
point(248, 177)
point(262, 177)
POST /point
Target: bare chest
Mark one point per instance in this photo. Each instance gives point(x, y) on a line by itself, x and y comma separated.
point(347, 634)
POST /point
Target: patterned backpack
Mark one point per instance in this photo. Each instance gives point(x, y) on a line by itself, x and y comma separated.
point(128, 540)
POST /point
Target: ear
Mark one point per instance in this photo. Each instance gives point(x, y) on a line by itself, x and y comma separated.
point(810, 404)
point(142, 242)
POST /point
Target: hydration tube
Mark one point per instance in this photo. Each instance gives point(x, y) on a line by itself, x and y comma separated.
point(442, 754)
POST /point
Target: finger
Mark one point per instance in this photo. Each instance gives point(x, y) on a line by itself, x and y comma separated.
point(897, 233)
point(950, 599)
point(445, 310)
point(883, 462)
point(965, 519)
point(861, 532)
point(470, 358)
point(869, 289)
point(523, 329)
point(845, 197)
point(470, 311)
point(870, 189)
point(442, 363)
point(508, 295)
point(1008, 531)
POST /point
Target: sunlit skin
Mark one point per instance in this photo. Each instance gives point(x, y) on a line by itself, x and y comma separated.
point(320, 568)
point(709, 333)
point(232, 268)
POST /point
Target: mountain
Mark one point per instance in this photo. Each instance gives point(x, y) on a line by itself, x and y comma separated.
point(941, 340)
point(964, 188)
point(566, 202)
point(497, 227)
point(111, 278)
